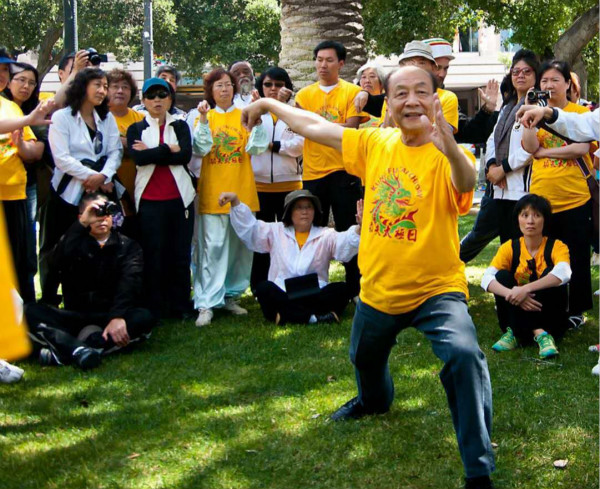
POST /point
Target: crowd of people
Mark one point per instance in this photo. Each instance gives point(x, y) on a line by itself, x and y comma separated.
point(151, 213)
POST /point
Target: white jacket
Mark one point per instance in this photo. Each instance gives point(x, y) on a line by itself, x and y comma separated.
point(578, 127)
point(151, 137)
point(70, 143)
point(282, 166)
point(517, 183)
point(288, 260)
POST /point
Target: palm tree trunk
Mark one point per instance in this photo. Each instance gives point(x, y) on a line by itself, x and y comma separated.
point(305, 23)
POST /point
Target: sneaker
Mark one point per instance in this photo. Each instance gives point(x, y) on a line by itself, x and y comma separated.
point(329, 318)
point(506, 342)
point(48, 358)
point(9, 373)
point(233, 307)
point(594, 348)
point(546, 343)
point(482, 482)
point(204, 317)
point(596, 369)
point(86, 358)
point(576, 322)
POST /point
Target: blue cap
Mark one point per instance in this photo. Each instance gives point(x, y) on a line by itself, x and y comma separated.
point(154, 82)
point(6, 61)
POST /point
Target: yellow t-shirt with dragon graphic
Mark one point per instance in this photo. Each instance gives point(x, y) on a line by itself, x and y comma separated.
point(560, 181)
point(227, 167)
point(409, 239)
point(335, 106)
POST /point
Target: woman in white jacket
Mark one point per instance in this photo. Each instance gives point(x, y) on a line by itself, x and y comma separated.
point(277, 171)
point(297, 249)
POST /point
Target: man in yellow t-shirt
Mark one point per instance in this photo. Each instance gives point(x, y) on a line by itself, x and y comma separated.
point(323, 170)
point(417, 183)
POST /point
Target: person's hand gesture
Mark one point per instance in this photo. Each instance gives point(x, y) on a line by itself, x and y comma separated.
point(37, 117)
point(139, 145)
point(117, 330)
point(441, 132)
point(254, 95)
point(228, 197)
point(203, 108)
point(490, 95)
point(530, 115)
point(92, 182)
point(251, 114)
point(530, 304)
point(89, 216)
point(361, 100)
point(496, 174)
point(360, 205)
point(284, 95)
point(81, 61)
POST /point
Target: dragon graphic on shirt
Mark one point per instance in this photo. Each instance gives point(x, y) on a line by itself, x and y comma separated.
point(393, 212)
point(227, 147)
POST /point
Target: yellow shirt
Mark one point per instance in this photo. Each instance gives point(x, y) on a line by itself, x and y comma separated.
point(13, 176)
point(503, 259)
point(46, 95)
point(278, 186)
point(335, 106)
point(409, 239)
point(301, 238)
point(127, 170)
point(227, 167)
point(560, 181)
point(449, 103)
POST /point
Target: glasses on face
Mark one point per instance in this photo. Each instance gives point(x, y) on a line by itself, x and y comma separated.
point(24, 81)
point(122, 88)
point(518, 71)
point(152, 96)
point(271, 84)
point(222, 86)
point(98, 142)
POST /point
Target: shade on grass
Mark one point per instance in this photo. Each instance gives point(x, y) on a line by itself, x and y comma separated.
point(243, 404)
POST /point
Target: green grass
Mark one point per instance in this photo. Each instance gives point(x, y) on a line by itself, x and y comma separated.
point(243, 404)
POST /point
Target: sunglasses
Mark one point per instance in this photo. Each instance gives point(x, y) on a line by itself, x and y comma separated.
point(98, 143)
point(271, 84)
point(152, 96)
point(517, 71)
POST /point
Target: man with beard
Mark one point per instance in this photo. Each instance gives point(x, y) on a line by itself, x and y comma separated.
point(244, 74)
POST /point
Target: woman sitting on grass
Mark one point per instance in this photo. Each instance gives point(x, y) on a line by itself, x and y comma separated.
point(298, 251)
point(528, 277)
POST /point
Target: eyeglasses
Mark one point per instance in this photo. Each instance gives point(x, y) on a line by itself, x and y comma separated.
point(222, 86)
point(152, 96)
point(25, 81)
point(98, 142)
point(518, 71)
point(271, 84)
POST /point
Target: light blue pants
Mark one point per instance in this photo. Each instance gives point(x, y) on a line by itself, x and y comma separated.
point(221, 263)
point(445, 321)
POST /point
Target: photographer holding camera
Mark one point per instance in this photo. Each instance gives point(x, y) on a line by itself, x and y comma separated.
point(101, 275)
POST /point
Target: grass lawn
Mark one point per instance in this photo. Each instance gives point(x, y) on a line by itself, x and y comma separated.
point(244, 404)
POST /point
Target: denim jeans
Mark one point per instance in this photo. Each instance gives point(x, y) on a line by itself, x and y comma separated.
point(445, 321)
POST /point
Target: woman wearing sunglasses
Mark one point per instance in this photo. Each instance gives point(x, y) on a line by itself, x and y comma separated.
point(277, 171)
point(161, 147)
point(528, 276)
point(87, 150)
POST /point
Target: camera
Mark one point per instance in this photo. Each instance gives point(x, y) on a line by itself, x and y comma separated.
point(96, 58)
point(539, 97)
point(107, 209)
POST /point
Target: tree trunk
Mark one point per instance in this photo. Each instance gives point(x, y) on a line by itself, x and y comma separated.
point(575, 38)
point(305, 23)
point(45, 59)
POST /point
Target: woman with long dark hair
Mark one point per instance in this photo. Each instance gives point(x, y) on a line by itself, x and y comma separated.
point(87, 152)
point(557, 175)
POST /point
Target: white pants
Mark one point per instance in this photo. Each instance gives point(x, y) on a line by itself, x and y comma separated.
point(221, 263)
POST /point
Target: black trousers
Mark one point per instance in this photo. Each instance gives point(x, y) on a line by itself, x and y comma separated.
point(271, 210)
point(339, 192)
point(574, 228)
point(66, 325)
point(495, 218)
point(15, 212)
point(166, 228)
point(273, 300)
point(552, 318)
point(56, 217)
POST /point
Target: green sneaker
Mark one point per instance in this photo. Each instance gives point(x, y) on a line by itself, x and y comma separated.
point(547, 347)
point(506, 342)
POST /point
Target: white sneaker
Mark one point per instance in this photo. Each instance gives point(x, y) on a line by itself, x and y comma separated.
point(10, 373)
point(233, 307)
point(596, 369)
point(204, 317)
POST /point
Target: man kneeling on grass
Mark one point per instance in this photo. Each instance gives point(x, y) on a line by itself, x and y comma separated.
point(101, 275)
point(417, 182)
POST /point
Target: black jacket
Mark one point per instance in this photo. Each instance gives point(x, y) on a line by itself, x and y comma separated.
point(104, 279)
point(161, 155)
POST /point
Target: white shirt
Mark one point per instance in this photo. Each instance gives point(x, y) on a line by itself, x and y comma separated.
point(562, 271)
point(288, 260)
point(240, 101)
point(70, 143)
point(578, 127)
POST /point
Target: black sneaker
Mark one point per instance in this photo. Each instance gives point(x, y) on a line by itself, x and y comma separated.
point(353, 409)
point(48, 358)
point(329, 318)
point(86, 358)
point(483, 482)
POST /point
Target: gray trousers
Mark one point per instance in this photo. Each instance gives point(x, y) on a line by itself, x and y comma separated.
point(445, 321)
